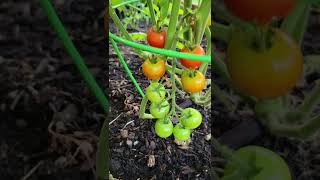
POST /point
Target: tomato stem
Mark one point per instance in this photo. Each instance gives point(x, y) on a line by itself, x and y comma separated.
point(153, 16)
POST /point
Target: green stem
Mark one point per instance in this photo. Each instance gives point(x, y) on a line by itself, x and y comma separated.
point(187, 5)
point(178, 71)
point(172, 24)
point(221, 32)
point(118, 23)
point(310, 102)
point(138, 9)
point(142, 114)
point(153, 16)
point(124, 3)
point(304, 131)
point(202, 16)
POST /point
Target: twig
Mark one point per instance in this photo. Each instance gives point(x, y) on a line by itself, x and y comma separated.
point(115, 119)
point(32, 171)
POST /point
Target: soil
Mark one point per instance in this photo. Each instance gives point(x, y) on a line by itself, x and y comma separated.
point(49, 120)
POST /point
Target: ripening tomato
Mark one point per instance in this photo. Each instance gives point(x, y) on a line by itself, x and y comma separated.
point(160, 110)
point(270, 165)
point(190, 118)
point(181, 133)
point(156, 39)
point(155, 92)
point(262, 10)
point(154, 69)
point(192, 64)
point(264, 74)
point(193, 81)
point(163, 128)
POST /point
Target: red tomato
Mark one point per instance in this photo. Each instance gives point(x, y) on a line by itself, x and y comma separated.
point(192, 64)
point(156, 39)
point(261, 10)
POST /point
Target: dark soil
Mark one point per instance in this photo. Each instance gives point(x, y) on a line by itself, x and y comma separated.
point(302, 156)
point(41, 90)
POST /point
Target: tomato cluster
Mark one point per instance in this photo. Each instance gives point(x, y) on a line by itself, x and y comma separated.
point(189, 119)
point(192, 81)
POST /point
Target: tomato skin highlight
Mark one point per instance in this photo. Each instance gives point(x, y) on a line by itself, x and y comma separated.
point(156, 39)
point(266, 74)
point(155, 92)
point(191, 63)
point(160, 110)
point(154, 70)
point(163, 129)
point(191, 118)
point(262, 11)
point(193, 84)
point(273, 166)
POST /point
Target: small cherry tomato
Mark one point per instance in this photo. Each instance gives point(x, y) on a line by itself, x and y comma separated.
point(181, 133)
point(262, 11)
point(163, 128)
point(156, 39)
point(270, 165)
point(155, 92)
point(192, 64)
point(190, 118)
point(154, 69)
point(160, 110)
point(264, 74)
point(193, 81)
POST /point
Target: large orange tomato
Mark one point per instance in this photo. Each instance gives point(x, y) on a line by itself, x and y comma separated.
point(192, 64)
point(193, 81)
point(264, 74)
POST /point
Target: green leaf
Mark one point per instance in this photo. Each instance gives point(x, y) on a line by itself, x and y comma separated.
point(296, 22)
point(116, 2)
point(139, 36)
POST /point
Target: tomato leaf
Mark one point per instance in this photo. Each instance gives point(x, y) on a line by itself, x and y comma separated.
point(296, 22)
point(116, 2)
point(138, 36)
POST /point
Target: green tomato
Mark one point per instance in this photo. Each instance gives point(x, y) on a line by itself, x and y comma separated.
point(164, 127)
point(269, 164)
point(155, 92)
point(160, 110)
point(181, 133)
point(191, 118)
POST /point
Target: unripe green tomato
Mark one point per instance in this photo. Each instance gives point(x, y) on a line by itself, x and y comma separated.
point(163, 128)
point(181, 133)
point(160, 110)
point(190, 118)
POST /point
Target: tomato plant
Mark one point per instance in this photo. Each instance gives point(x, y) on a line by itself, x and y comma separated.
point(160, 110)
point(156, 92)
point(262, 11)
point(181, 133)
point(154, 69)
point(192, 64)
point(190, 118)
point(156, 39)
point(164, 127)
point(193, 81)
point(268, 165)
point(267, 73)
